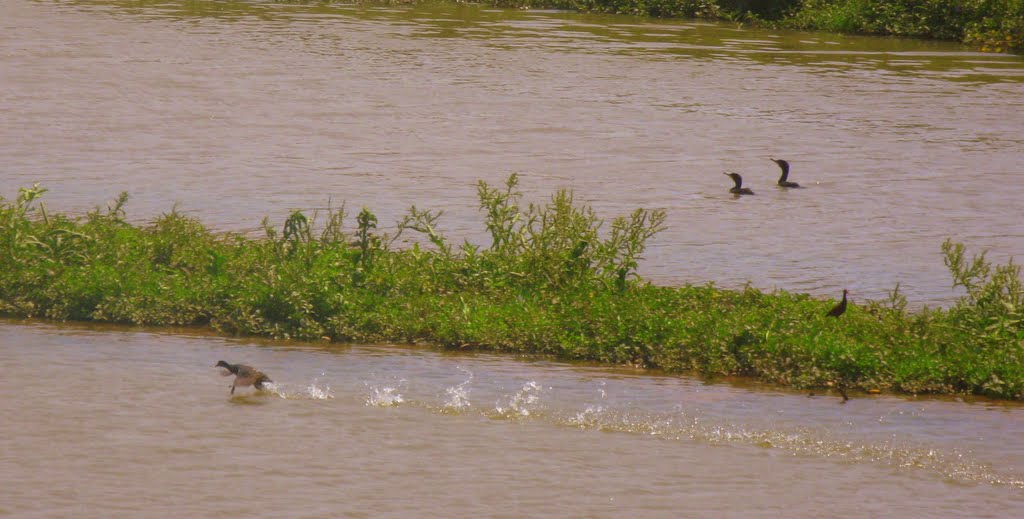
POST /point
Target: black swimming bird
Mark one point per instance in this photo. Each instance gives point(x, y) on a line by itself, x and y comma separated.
point(838, 310)
point(739, 189)
point(244, 375)
point(784, 165)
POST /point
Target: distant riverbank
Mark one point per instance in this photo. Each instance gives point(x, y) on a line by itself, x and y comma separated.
point(990, 25)
point(551, 281)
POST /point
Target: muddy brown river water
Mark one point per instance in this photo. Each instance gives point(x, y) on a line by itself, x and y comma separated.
point(233, 111)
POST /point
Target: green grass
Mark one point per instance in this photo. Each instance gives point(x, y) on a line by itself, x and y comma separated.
point(553, 280)
point(990, 25)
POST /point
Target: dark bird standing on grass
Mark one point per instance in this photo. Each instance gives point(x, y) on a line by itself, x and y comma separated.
point(244, 375)
point(739, 189)
point(838, 310)
point(783, 182)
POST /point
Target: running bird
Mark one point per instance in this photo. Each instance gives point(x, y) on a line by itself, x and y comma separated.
point(244, 375)
point(840, 308)
point(739, 189)
point(784, 165)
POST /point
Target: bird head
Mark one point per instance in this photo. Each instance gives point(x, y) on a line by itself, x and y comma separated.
point(782, 163)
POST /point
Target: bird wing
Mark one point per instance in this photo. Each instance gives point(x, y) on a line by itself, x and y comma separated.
point(251, 373)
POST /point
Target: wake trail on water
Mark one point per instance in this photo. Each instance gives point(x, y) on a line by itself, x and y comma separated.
point(534, 401)
point(315, 390)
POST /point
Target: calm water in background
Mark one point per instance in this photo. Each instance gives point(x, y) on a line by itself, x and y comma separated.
point(236, 111)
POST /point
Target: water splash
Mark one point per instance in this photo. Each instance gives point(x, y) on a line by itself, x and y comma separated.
point(386, 396)
point(273, 388)
point(522, 404)
point(314, 391)
point(457, 397)
point(592, 415)
point(589, 418)
point(311, 392)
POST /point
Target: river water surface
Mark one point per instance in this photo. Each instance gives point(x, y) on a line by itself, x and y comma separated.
point(233, 111)
point(100, 423)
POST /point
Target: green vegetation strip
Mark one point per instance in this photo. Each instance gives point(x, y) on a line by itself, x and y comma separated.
point(992, 25)
point(551, 281)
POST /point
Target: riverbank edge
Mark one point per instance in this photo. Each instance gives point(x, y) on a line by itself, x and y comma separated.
point(552, 282)
point(990, 26)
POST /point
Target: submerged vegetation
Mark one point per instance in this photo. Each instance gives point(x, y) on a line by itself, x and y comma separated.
point(552, 280)
point(995, 25)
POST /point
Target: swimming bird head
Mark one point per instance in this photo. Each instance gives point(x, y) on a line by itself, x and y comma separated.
point(738, 180)
point(735, 178)
point(783, 164)
point(783, 179)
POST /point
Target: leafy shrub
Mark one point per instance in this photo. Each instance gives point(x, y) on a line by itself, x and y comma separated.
point(552, 280)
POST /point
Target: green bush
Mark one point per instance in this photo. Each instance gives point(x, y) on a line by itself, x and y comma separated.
point(994, 25)
point(553, 280)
